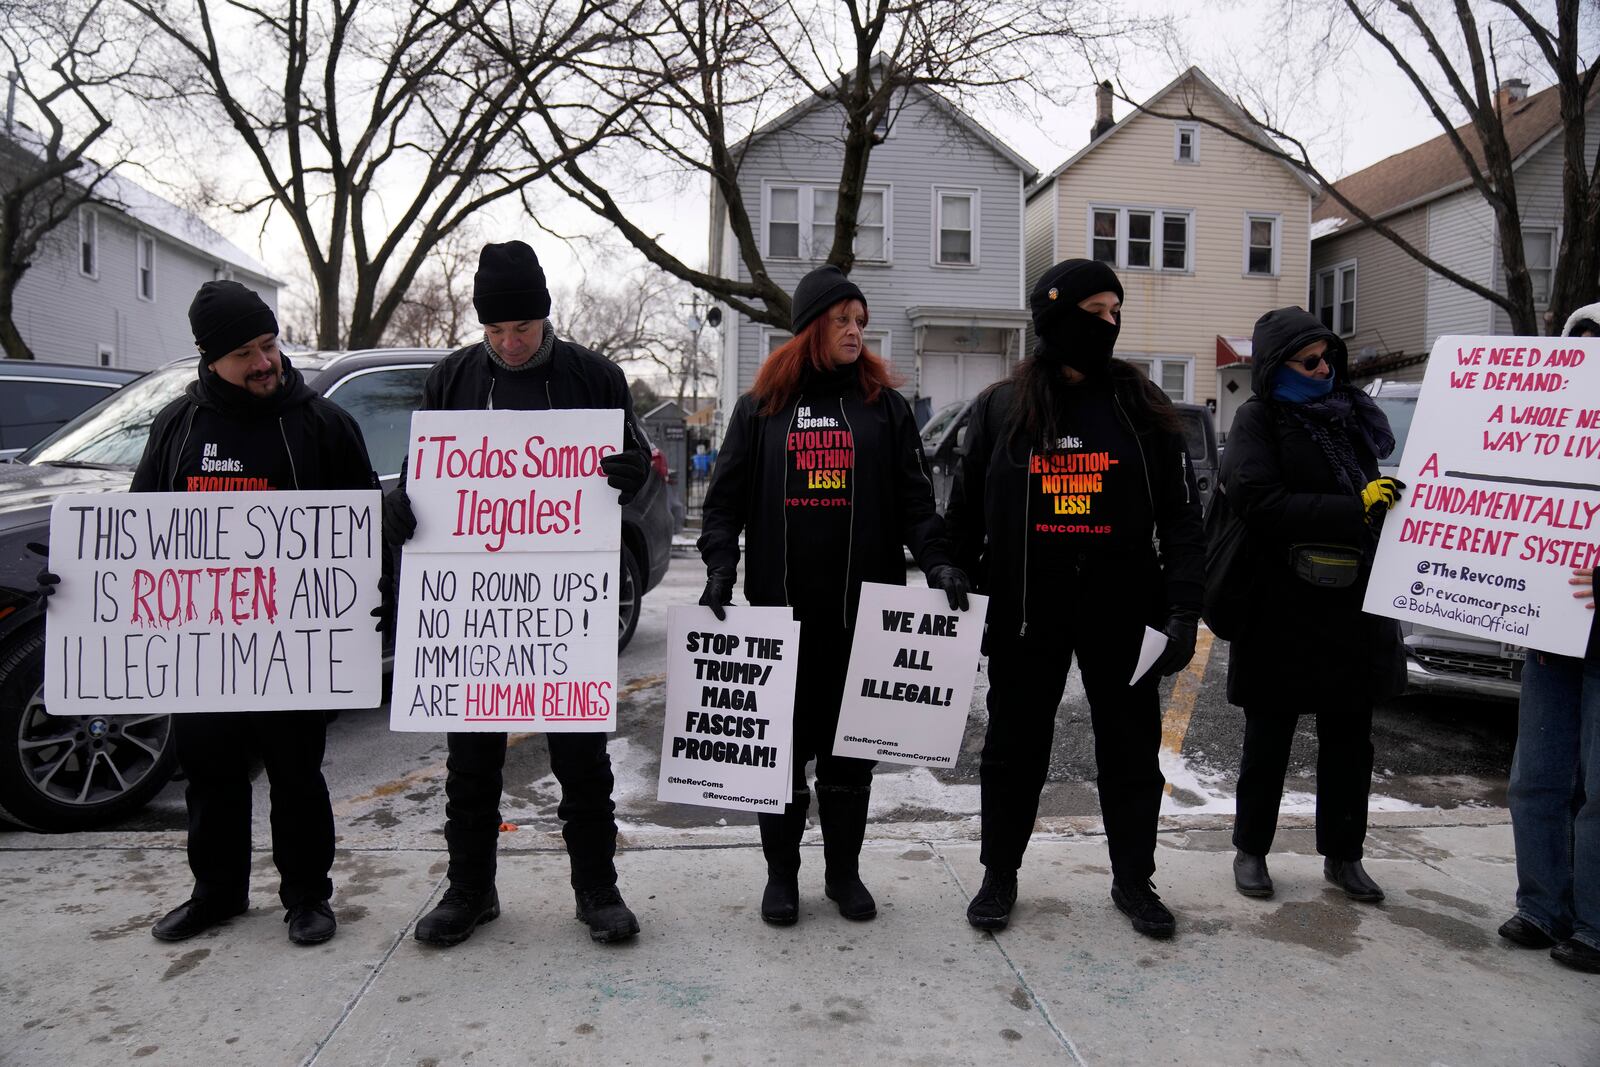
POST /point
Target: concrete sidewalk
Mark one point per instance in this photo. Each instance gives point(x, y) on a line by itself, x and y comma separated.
point(1308, 977)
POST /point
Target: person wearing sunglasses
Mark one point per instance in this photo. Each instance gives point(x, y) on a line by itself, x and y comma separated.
point(1301, 471)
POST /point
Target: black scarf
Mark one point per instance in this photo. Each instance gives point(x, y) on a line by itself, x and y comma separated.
point(1335, 421)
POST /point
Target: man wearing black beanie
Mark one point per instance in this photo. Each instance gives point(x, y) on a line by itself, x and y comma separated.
point(250, 423)
point(522, 365)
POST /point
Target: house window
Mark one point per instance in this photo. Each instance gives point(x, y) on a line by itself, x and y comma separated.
point(1539, 250)
point(1261, 244)
point(800, 222)
point(145, 250)
point(956, 227)
point(89, 242)
point(1171, 373)
point(105, 355)
point(783, 223)
point(1186, 143)
point(1334, 294)
point(1141, 238)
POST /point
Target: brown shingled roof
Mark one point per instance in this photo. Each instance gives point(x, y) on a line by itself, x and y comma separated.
point(1433, 166)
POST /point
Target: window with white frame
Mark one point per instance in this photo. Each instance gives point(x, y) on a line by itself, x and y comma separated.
point(1141, 238)
point(800, 222)
point(955, 225)
point(1261, 243)
point(1186, 142)
point(144, 249)
point(89, 242)
point(1334, 296)
point(1539, 251)
point(1174, 375)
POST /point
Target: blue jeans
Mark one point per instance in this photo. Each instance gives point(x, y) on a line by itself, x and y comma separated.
point(1555, 796)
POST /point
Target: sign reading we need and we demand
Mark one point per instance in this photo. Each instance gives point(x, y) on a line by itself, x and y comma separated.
point(1502, 498)
point(190, 602)
point(507, 614)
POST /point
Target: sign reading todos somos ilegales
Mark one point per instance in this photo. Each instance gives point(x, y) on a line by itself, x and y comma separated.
point(508, 591)
point(187, 602)
point(1502, 498)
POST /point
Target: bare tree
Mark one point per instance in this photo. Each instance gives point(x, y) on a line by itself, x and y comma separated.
point(700, 76)
point(437, 311)
point(1448, 56)
point(378, 127)
point(643, 319)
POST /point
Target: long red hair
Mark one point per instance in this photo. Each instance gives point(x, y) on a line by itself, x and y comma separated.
point(778, 380)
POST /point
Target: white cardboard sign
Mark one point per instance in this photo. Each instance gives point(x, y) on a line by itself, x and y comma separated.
point(728, 736)
point(912, 669)
point(1502, 498)
point(193, 602)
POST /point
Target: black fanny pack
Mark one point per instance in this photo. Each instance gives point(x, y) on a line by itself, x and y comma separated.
point(1326, 566)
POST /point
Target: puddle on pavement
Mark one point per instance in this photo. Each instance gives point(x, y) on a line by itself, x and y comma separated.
point(1449, 931)
point(1325, 927)
point(1472, 908)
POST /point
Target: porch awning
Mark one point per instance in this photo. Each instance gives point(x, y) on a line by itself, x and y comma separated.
point(1232, 350)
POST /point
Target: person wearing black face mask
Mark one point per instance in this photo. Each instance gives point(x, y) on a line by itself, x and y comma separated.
point(1069, 473)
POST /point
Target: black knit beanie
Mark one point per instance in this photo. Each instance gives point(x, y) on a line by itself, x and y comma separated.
point(1064, 285)
point(819, 291)
point(509, 285)
point(225, 316)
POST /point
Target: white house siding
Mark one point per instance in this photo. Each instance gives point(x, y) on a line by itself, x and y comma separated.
point(1040, 240)
point(1391, 293)
point(1182, 314)
point(66, 316)
point(925, 149)
point(1461, 237)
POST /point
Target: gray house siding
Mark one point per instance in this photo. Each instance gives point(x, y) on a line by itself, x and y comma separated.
point(1391, 297)
point(1461, 237)
point(1039, 218)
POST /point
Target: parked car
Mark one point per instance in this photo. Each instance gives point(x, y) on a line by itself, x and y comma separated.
point(36, 399)
point(1440, 661)
point(78, 772)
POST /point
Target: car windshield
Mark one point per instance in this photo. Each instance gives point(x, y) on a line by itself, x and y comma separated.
point(1400, 409)
point(113, 432)
point(934, 432)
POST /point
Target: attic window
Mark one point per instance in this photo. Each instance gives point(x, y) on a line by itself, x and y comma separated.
point(1186, 143)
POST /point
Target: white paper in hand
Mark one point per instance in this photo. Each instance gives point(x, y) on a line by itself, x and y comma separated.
point(1155, 643)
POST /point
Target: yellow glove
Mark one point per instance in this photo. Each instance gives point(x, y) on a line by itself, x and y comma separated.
point(1381, 494)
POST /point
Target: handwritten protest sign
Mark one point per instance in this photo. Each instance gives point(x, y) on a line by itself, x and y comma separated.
point(187, 602)
point(1502, 499)
point(728, 738)
point(912, 669)
point(508, 592)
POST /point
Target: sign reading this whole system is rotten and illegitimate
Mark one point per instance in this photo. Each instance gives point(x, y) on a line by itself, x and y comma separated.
point(508, 591)
point(188, 602)
point(912, 669)
point(728, 736)
point(1502, 497)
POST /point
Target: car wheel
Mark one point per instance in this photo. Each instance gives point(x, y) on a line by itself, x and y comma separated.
point(630, 598)
point(77, 772)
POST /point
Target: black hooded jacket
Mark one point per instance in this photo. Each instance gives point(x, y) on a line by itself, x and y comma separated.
point(890, 497)
point(1299, 639)
point(991, 526)
point(218, 438)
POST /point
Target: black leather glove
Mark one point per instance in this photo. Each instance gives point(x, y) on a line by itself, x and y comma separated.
point(47, 579)
point(1181, 630)
point(953, 580)
point(719, 592)
point(625, 472)
point(399, 521)
point(384, 612)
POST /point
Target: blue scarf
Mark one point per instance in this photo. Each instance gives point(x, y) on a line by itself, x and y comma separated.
point(1292, 387)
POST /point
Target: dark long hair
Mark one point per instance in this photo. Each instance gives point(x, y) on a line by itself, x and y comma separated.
point(1040, 388)
point(778, 380)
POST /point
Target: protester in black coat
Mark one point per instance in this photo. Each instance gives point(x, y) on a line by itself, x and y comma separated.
point(522, 365)
point(822, 470)
point(1301, 470)
point(1070, 472)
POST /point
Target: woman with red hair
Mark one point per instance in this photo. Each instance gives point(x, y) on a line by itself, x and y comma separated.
point(822, 469)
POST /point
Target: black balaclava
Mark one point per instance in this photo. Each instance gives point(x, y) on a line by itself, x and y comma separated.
point(226, 316)
point(1069, 336)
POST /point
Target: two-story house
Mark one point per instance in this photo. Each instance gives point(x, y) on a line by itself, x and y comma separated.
point(1205, 233)
point(1388, 307)
point(112, 285)
point(938, 252)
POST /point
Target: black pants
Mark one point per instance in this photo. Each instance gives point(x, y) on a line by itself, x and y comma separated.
point(472, 806)
point(824, 661)
point(1027, 676)
point(1344, 778)
point(214, 751)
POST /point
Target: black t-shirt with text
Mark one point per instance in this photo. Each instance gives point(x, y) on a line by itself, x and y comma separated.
point(819, 501)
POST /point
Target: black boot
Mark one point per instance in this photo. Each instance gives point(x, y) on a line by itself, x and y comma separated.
point(608, 918)
point(780, 843)
point(460, 912)
point(991, 908)
point(842, 810)
point(1250, 875)
point(1349, 876)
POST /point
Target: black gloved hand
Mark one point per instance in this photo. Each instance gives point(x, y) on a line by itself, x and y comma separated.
point(953, 580)
point(399, 521)
point(719, 592)
point(47, 580)
point(1181, 630)
point(625, 472)
point(384, 612)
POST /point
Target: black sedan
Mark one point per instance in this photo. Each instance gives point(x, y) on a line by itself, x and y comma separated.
point(73, 773)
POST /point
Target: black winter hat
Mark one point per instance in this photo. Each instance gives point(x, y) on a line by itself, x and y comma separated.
point(225, 316)
point(509, 285)
point(819, 291)
point(1066, 283)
